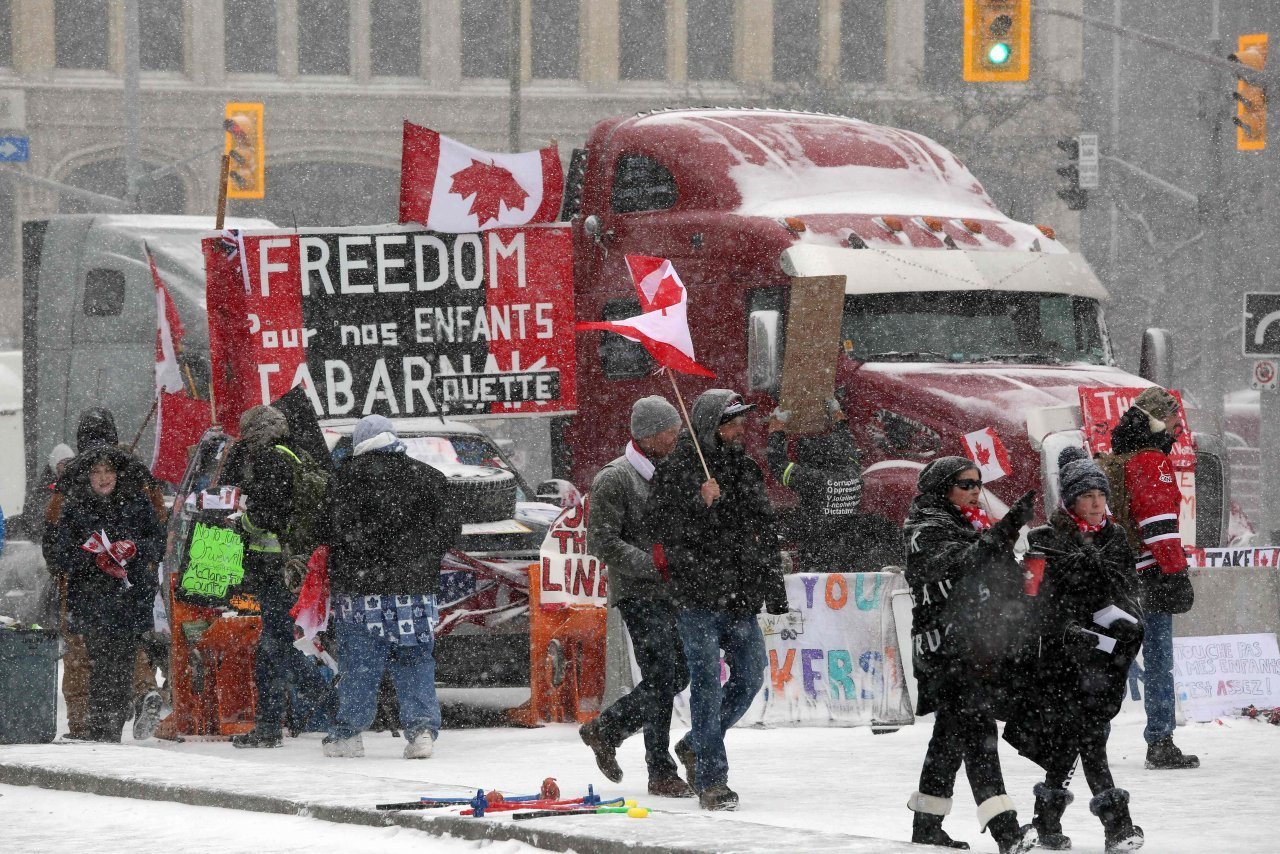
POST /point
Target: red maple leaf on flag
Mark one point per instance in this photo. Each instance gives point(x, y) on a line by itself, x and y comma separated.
point(492, 185)
point(983, 455)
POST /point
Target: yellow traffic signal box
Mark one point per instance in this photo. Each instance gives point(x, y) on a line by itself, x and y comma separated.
point(997, 41)
point(246, 178)
point(1251, 100)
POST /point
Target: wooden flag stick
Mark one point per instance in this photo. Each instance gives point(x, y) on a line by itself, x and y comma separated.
point(692, 433)
point(222, 192)
point(138, 436)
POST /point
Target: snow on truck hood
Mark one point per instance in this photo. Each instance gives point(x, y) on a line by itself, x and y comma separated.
point(875, 271)
point(991, 394)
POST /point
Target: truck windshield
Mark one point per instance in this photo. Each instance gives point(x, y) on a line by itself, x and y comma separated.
point(974, 326)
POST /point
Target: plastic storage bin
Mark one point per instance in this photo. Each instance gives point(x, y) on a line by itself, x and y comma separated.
point(28, 686)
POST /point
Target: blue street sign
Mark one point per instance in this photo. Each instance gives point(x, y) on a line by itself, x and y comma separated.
point(14, 149)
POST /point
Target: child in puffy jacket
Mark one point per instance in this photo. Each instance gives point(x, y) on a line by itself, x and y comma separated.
point(108, 542)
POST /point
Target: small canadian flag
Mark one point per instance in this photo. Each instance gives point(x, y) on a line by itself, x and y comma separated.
point(987, 451)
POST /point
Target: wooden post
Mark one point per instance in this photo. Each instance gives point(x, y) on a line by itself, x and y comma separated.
point(222, 192)
point(692, 433)
point(137, 437)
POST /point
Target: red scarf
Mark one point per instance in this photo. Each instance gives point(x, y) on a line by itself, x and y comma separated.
point(1085, 527)
point(977, 517)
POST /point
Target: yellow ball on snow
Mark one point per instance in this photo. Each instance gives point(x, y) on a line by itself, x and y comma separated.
point(638, 812)
point(629, 802)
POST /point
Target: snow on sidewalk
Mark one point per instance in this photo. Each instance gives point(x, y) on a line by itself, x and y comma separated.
point(801, 789)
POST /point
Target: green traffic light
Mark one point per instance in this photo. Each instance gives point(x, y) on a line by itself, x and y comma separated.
point(998, 53)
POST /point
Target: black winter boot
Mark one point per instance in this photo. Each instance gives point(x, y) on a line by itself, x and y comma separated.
point(1050, 805)
point(926, 829)
point(997, 815)
point(1165, 755)
point(1112, 808)
point(606, 758)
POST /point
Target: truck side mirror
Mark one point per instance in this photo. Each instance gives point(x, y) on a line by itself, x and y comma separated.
point(764, 369)
point(1156, 362)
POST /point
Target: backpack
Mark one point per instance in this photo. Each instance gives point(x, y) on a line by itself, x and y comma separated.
point(1112, 466)
point(309, 484)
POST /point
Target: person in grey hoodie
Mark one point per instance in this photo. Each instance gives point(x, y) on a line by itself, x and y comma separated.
point(616, 534)
point(721, 544)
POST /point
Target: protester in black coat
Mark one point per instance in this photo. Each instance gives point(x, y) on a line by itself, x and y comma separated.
point(723, 560)
point(966, 619)
point(387, 521)
point(108, 542)
point(1073, 688)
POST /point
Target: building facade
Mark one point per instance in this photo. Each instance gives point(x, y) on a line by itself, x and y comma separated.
point(338, 77)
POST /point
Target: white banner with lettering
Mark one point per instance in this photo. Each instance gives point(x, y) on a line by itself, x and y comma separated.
point(567, 574)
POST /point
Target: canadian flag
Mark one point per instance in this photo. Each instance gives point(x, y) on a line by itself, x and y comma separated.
point(311, 612)
point(180, 419)
point(987, 451)
point(663, 327)
point(451, 187)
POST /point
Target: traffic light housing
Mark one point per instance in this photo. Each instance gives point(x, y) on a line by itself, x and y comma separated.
point(246, 177)
point(997, 41)
point(1076, 197)
point(1251, 101)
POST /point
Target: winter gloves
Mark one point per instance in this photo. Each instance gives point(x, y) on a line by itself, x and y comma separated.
point(114, 559)
point(1022, 512)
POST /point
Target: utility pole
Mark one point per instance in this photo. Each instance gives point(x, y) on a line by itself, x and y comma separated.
point(1212, 213)
point(513, 127)
point(132, 107)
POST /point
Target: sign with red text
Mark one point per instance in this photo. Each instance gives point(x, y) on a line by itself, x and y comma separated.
point(393, 320)
point(1253, 556)
point(567, 574)
point(1101, 408)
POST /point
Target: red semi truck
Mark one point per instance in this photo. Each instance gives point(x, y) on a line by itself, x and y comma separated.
point(956, 317)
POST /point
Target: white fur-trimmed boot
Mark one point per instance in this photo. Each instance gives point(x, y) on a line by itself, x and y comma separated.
point(926, 827)
point(998, 814)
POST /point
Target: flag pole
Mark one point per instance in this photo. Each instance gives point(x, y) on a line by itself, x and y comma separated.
point(692, 433)
point(222, 192)
point(137, 437)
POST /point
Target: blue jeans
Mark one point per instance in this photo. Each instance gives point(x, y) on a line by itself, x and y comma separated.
point(655, 638)
point(278, 663)
point(712, 707)
point(1157, 664)
point(363, 657)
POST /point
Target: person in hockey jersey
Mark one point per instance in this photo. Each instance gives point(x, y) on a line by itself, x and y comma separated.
point(1141, 442)
point(1074, 686)
point(108, 541)
point(387, 521)
point(616, 534)
point(967, 618)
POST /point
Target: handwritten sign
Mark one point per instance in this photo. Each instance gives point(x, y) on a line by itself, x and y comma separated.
point(1268, 556)
point(568, 575)
point(1220, 675)
point(215, 562)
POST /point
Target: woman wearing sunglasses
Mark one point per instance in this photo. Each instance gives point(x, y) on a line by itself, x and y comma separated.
point(967, 619)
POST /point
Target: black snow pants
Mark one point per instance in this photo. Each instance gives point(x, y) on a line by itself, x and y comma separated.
point(111, 653)
point(964, 730)
point(1093, 761)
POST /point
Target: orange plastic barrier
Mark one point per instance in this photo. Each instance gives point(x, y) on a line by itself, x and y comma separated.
point(212, 675)
point(566, 661)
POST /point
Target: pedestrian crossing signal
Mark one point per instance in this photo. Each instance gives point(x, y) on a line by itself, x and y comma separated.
point(997, 40)
point(246, 177)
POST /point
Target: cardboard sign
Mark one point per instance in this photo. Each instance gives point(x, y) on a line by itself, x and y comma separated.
point(987, 452)
point(393, 320)
point(1220, 675)
point(215, 562)
point(1101, 409)
point(813, 344)
point(1253, 556)
point(568, 575)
